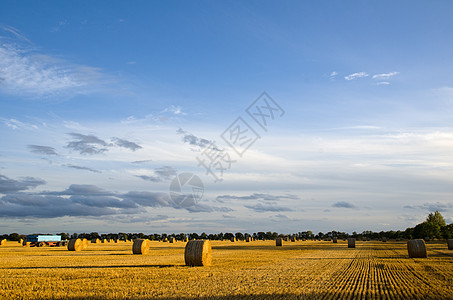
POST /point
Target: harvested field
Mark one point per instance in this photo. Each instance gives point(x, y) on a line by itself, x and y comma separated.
point(305, 269)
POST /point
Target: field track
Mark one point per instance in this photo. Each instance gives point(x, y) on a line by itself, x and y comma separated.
point(306, 270)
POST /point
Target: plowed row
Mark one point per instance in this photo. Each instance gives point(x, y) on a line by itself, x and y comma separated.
point(320, 270)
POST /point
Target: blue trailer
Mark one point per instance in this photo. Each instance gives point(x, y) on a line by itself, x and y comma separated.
point(36, 240)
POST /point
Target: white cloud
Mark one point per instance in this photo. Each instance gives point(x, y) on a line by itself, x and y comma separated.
point(382, 83)
point(26, 72)
point(384, 76)
point(356, 76)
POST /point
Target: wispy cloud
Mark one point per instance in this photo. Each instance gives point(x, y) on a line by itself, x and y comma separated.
point(82, 168)
point(356, 76)
point(260, 207)
point(87, 144)
point(126, 144)
point(192, 139)
point(431, 206)
point(42, 150)
point(384, 76)
point(343, 204)
point(160, 174)
point(27, 72)
point(8, 185)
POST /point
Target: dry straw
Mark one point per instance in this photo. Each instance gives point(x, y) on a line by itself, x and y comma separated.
point(416, 248)
point(198, 253)
point(75, 245)
point(278, 242)
point(140, 246)
point(450, 244)
point(351, 242)
point(85, 244)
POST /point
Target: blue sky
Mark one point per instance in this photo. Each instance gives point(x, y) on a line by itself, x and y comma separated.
point(103, 103)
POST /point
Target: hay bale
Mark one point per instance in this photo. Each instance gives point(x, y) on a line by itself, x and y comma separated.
point(278, 242)
point(450, 244)
point(198, 253)
point(140, 246)
point(75, 245)
point(351, 242)
point(2, 242)
point(95, 241)
point(172, 240)
point(416, 248)
point(334, 240)
point(85, 244)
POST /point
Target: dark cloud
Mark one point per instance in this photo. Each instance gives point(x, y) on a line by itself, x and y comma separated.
point(82, 200)
point(48, 206)
point(103, 201)
point(343, 204)
point(142, 161)
point(260, 207)
point(149, 199)
point(256, 196)
point(42, 150)
point(126, 144)
point(82, 189)
point(8, 185)
point(149, 178)
point(161, 174)
point(87, 144)
point(82, 168)
point(192, 139)
point(431, 206)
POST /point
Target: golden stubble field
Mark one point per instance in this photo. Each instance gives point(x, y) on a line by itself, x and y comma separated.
point(303, 269)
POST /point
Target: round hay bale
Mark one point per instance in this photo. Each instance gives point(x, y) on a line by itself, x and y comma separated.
point(75, 245)
point(95, 241)
point(85, 244)
point(140, 246)
point(278, 242)
point(450, 244)
point(351, 242)
point(334, 240)
point(198, 253)
point(2, 242)
point(416, 248)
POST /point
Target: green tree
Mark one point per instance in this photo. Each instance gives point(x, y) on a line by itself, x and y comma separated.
point(436, 218)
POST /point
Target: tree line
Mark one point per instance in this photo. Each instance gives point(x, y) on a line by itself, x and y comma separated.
point(434, 227)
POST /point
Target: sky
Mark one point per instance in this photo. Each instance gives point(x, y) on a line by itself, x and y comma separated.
point(224, 116)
